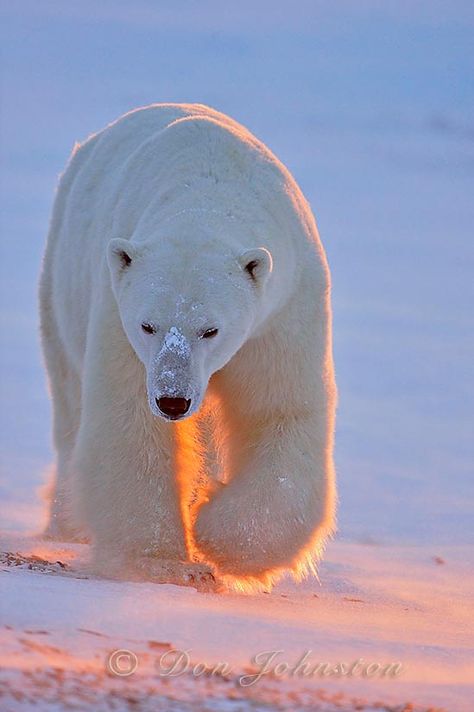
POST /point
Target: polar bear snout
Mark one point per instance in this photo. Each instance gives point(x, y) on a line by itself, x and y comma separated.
point(173, 408)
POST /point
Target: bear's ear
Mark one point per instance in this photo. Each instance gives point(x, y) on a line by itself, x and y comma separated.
point(257, 263)
point(120, 254)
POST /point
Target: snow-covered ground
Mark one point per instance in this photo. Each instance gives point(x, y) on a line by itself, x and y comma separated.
point(371, 106)
point(396, 617)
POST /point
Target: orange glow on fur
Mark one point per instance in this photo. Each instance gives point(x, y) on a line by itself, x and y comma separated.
point(188, 468)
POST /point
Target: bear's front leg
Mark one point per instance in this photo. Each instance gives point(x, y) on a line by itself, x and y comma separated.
point(128, 495)
point(126, 492)
point(125, 489)
point(278, 507)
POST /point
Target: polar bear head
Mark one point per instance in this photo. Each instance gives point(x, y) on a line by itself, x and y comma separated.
point(186, 312)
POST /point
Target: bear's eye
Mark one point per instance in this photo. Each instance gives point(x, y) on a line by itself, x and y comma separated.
point(148, 328)
point(209, 333)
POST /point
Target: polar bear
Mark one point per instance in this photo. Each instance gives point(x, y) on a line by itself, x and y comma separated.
point(186, 327)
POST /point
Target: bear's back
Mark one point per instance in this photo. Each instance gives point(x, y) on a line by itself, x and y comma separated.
point(96, 162)
point(95, 167)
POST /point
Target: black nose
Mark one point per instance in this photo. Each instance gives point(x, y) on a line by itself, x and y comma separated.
point(173, 407)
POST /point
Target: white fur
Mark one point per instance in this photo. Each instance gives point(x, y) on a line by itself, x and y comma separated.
point(156, 220)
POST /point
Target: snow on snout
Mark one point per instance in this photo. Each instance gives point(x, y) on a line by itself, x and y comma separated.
point(176, 343)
